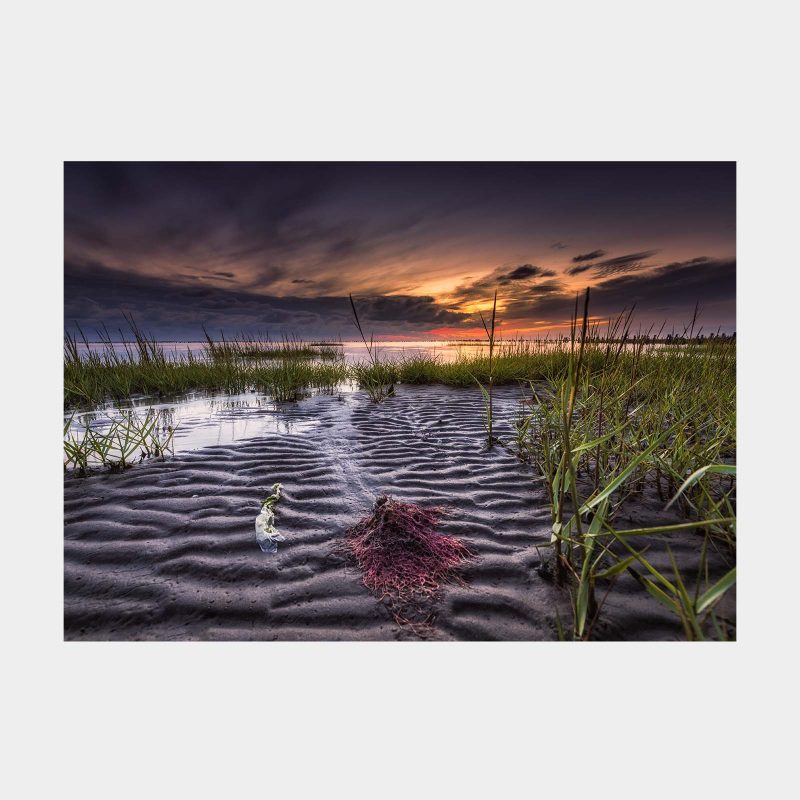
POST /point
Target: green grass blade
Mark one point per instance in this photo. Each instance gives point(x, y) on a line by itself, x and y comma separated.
point(716, 591)
point(616, 482)
point(721, 469)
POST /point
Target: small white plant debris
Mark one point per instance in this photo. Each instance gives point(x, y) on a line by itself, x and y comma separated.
point(266, 534)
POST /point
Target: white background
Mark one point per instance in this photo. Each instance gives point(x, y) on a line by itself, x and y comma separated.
point(412, 80)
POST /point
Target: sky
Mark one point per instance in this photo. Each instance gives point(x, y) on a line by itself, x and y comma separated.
point(275, 248)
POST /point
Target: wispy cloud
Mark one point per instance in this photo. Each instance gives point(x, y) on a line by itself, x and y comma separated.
point(589, 256)
point(611, 266)
point(514, 278)
point(666, 292)
point(265, 244)
point(96, 295)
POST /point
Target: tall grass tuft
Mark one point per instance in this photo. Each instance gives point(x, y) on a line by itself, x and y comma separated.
point(129, 438)
point(139, 367)
point(488, 391)
point(376, 376)
point(623, 421)
point(265, 349)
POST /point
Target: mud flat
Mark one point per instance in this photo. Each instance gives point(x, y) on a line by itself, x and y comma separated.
point(166, 550)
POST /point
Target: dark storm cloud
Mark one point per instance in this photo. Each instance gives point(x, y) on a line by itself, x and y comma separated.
point(219, 215)
point(626, 263)
point(232, 244)
point(502, 276)
point(670, 290)
point(612, 266)
point(525, 271)
point(698, 260)
point(346, 227)
point(678, 283)
point(531, 293)
point(545, 287)
point(410, 310)
point(180, 205)
point(589, 256)
point(96, 295)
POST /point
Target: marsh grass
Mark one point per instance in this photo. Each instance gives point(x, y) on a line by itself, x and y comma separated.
point(255, 348)
point(291, 379)
point(138, 366)
point(129, 438)
point(614, 419)
point(622, 422)
point(376, 375)
point(488, 390)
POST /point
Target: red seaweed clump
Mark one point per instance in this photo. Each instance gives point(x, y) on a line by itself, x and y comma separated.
point(402, 555)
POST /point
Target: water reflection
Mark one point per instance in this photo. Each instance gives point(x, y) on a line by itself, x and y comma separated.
point(352, 351)
point(207, 420)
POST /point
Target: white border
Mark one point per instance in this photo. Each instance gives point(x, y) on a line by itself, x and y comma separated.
point(433, 80)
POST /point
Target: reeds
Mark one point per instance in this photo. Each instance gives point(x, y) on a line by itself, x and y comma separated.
point(128, 439)
point(488, 390)
point(617, 419)
point(624, 421)
point(376, 376)
point(264, 348)
point(139, 367)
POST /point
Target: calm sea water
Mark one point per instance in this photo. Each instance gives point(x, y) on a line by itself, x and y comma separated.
point(355, 350)
point(203, 419)
point(352, 350)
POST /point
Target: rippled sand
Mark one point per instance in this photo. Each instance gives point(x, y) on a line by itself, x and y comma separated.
point(167, 551)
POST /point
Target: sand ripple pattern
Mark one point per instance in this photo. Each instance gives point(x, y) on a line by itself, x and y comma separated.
point(166, 550)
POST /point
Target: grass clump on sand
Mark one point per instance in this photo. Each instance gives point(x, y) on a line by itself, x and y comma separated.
point(402, 557)
point(523, 360)
point(487, 390)
point(115, 372)
point(264, 348)
point(623, 423)
point(139, 366)
point(377, 375)
point(130, 437)
point(292, 379)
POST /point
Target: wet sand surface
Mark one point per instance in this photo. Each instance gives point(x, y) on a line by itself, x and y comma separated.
point(167, 550)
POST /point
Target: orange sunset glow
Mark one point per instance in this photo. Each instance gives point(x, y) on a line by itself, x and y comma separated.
point(277, 248)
